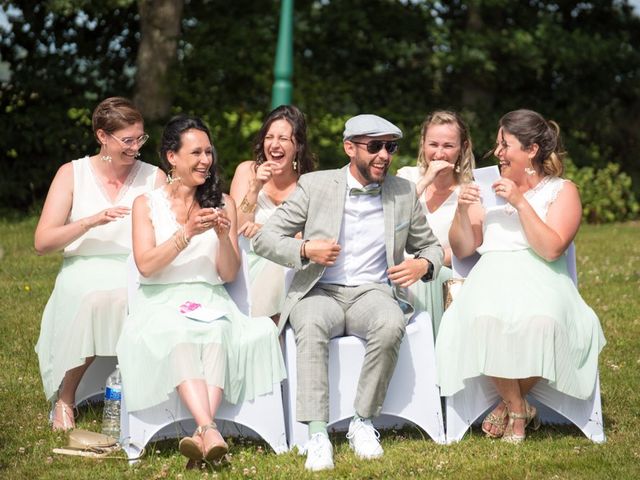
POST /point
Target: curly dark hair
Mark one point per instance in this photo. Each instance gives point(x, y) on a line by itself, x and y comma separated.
point(209, 194)
point(304, 159)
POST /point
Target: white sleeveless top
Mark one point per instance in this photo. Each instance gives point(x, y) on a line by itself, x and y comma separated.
point(196, 263)
point(502, 230)
point(264, 209)
point(90, 197)
point(440, 220)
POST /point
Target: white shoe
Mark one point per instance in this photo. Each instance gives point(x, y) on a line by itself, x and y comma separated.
point(363, 439)
point(319, 453)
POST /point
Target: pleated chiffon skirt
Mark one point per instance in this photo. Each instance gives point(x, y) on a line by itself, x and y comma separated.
point(427, 297)
point(267, 285)
point(160, 348)
point(83, 316)
point(518, 316)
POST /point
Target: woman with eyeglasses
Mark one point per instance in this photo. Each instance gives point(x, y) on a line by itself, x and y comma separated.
point(184, 332)
point(445, 161)
point(86, 216)
point(260, 186)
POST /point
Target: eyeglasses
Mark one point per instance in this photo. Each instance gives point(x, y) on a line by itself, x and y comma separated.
point(374, 146)
point(132, 142)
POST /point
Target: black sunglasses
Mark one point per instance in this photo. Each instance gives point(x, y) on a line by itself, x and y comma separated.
point(374, 146)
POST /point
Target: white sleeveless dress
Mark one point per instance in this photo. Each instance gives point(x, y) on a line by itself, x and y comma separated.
point(84, 314)
point(517, 315)
point(160, 348)
point(266, 277)
point(427, 296)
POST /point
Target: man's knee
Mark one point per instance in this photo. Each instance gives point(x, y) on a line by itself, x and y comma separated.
point(388, 329)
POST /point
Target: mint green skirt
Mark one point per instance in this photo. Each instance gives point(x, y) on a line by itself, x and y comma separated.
point(518, 316)
point(160, 348)
point(83, 316)
point(267, 285)
point(427, 297)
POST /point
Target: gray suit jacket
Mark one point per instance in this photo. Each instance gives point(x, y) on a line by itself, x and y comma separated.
point(316, 209)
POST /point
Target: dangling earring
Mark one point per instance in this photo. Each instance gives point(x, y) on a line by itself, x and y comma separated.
point(457, 167)
point(171, 177)
point(295, 165)
point(208, 175)
point(530, 170)
point(105, 158)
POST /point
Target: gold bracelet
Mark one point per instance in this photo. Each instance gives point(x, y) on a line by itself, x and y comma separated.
point(180, 240)
point(247, 207)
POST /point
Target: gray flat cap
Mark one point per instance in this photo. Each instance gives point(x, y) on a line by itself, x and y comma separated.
point(370, 126)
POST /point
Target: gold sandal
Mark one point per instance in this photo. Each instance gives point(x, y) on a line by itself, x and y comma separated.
point(217, 450)
point(497, 421)
point(530, 415)
point(190, 447)
point(67, 421)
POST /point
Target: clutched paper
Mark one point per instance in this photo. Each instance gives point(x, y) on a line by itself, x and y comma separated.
point(484, 178)
point(195, 311)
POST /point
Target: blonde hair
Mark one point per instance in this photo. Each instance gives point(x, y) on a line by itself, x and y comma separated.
point(531, 128)
point(465, 163)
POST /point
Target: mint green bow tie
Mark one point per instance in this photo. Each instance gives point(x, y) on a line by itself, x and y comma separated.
point(365, 191)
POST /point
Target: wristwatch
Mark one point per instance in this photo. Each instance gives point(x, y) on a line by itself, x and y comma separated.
point(429, 275)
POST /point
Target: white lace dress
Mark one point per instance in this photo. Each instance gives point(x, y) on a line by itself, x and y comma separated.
point(517, 315)
point(160, 348)
point(84, 314)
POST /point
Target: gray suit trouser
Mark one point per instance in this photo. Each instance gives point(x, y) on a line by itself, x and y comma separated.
point(327, 311)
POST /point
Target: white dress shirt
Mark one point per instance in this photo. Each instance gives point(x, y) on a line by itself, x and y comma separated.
point(363, 256)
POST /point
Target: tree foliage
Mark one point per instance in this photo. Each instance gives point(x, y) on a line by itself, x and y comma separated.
point(574, 61)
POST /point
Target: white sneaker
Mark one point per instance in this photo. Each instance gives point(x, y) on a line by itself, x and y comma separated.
point(319, 453)
point(363, 439)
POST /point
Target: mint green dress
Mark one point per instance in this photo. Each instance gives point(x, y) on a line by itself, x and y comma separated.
point(88, 305)
point(160, 347)
point(518, 315)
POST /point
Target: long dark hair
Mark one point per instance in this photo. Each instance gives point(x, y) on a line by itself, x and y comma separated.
point(209, 194)
point(303, 158)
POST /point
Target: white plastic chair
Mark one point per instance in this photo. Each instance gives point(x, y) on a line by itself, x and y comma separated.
point(412, 395)
point(471, 404)
point(91, 387)
point(262, 417)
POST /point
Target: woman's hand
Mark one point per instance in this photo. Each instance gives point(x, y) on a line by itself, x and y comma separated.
point(435, 167)
point(249, 229)
point(221, 223)
point(264, 172)
point(201, 221)
point(508, 190)
point(469, 195)
point(107, 215)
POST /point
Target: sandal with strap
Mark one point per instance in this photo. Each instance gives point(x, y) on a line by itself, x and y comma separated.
point(191, 447)
point(496, 420)
point(64, 412)
point(217, 450)
point(530, 415)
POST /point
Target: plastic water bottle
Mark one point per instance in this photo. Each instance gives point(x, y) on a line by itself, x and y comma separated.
point(112, 398)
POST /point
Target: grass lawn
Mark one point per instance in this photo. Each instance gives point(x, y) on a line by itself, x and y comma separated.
point(609, 277)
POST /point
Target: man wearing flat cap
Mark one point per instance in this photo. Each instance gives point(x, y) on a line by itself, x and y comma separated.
point(350, 276)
